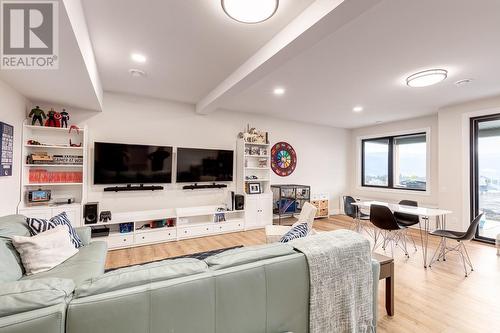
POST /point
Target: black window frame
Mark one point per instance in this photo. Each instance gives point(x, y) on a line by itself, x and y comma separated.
point(390, 162)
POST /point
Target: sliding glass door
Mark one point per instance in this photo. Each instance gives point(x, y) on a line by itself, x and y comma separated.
point(485, 175)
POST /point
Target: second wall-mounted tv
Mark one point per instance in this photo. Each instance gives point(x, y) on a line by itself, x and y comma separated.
point(204, 165)
point(116, 163)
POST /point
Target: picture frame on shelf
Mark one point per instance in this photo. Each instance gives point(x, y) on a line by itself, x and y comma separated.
point(254, 188)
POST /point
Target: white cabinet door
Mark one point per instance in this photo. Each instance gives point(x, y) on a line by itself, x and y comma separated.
point(265, 211)
point(252, 214)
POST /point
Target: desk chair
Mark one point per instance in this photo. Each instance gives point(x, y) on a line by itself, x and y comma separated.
point(392, 232)
point(354, 212)
point(460, 237)
point(407, 220)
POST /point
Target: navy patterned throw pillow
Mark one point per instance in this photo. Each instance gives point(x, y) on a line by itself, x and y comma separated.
point(37, 226)
point(299, 231)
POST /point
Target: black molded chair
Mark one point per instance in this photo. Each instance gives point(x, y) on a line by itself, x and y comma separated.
point(354, 212)
point(392, 232)
point(407, 220)
point(460, 237)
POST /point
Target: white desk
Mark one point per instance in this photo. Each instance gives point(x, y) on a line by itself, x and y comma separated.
point(423, 212)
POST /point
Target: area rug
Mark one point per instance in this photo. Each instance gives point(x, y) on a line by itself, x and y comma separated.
point(198, 255)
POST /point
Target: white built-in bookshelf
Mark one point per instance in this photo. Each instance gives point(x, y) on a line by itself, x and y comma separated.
point(253, 164)
point(63, 179)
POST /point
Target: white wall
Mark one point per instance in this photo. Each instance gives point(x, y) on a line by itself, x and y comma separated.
point(454, 186)
point(405, 126)
point(12, 112)
point(322, 151)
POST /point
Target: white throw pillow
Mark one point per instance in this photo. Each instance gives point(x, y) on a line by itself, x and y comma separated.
point(44, 251)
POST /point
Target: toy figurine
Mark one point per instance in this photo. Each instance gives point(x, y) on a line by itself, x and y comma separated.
point(53, 119)
point(64, 118)
point(37, 114)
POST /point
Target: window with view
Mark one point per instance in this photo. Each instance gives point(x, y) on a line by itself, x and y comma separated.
point(398, 162)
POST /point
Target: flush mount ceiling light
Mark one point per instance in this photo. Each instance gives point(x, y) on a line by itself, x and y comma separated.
point(279, 91)
point(426, 78)
point(357, 109)
point(137, 72)
point(250, 11)
point(137, 57)
point(463, 82)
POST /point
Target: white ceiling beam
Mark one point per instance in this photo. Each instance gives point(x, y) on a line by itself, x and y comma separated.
point(320, 19)
point(76, 15)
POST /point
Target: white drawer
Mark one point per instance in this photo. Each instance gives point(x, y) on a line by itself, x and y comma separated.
point(119, 240)
point(195, 231)
point(155, 236)
point(228, 226)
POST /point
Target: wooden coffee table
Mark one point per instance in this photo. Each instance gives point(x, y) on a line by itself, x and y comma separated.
point(387, 273)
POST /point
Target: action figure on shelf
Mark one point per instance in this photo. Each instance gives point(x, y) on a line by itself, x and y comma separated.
point(53, 119)
point(64, 118)
point(37, 114)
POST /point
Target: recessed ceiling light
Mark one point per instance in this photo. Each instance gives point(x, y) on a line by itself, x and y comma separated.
point(279, 91)
point(463, 82)
point(137, 72)
point(426, 78)
point(137, 57)
point(357, 108)
point(250, 11)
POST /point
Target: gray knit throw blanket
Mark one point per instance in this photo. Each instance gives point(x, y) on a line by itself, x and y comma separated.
point(341, 281)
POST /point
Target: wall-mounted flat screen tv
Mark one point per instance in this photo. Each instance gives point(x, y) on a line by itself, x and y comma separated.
point(204, 165)
point(116, 163)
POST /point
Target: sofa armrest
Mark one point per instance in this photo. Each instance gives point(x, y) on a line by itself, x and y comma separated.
point(84, 234)
point(376, 275)
point(50, 319)
point(28, 295)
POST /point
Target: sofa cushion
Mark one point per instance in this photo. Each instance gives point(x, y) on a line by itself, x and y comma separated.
point(88, 263)
point(22, 296)
point(10, 268)
point(139, 275)
point(10, 261)
point(248, 254)
point(38, 226)
point(44, 251)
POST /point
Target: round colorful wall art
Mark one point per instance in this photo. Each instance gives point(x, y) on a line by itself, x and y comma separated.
point(283, 159)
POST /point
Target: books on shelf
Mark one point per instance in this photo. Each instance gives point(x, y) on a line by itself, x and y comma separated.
point(36, 176)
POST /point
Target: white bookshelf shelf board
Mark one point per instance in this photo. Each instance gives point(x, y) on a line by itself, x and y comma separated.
point(52, 184)
point(52, 129)
point(256, 180)
point(54, 165)
point(256, 168)
point(256, 144)
point(258, 156)
point(52, 147)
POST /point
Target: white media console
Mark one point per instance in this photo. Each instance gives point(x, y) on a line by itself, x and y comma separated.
point(189, 222)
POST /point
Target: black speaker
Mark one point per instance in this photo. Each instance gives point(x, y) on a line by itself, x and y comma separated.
point(239, 202)
point(90, 213)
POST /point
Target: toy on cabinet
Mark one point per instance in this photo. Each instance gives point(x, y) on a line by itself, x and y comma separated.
point(64, 118)
point(37, 114)
point(53, 119)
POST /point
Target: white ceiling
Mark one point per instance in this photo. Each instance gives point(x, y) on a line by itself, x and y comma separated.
point(191, 45)
point(71, 84)
point(366, 61)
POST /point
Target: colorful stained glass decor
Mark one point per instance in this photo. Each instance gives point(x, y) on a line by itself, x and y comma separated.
point(283, 159)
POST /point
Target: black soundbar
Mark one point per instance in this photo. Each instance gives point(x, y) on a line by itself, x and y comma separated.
point(133, 188)
point(197, 187)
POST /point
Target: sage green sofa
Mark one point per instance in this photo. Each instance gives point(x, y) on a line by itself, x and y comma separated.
point(253, 289)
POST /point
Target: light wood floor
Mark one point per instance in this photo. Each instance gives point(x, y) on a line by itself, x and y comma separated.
point(439, 299)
